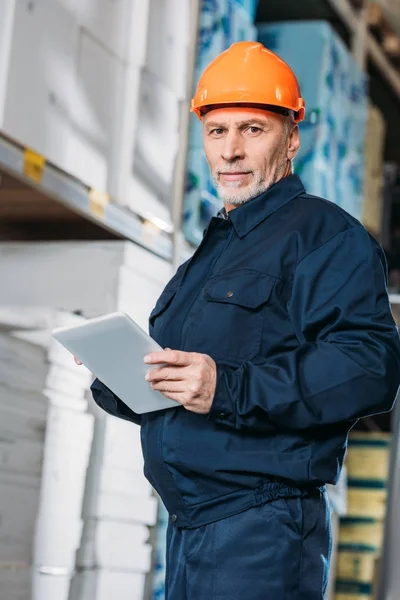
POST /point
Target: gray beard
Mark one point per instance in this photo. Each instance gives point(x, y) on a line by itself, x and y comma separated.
point(259, 187)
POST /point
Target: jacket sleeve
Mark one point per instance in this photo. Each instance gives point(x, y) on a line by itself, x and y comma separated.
point(111, 404)
point(347, 364)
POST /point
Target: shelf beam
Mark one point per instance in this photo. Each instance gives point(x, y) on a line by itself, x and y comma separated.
point(350, 18)
point(59, 188)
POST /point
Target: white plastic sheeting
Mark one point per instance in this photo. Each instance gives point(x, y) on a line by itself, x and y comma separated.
point(45, 439)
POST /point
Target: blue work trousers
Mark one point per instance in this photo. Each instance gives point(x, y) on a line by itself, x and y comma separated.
point(277, 551)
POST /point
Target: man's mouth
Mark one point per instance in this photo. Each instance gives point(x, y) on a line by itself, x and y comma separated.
point(233, 175)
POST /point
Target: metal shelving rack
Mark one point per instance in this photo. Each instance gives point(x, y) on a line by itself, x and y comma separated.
point(71, 196)
point(74, 197)
point(34, 192)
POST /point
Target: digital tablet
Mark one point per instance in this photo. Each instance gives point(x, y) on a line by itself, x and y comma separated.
point(112, 347)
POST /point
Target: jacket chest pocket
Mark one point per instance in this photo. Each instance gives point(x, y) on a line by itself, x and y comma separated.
point(228, 324)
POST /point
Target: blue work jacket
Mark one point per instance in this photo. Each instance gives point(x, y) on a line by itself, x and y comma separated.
point(288, 295)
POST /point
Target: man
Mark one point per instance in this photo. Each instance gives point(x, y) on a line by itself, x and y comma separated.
point(278, 337)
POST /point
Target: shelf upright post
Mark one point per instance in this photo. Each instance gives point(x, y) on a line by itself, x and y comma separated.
point(359, 37)
point(178, 189)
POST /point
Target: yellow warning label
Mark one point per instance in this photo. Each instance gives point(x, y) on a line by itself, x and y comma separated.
point(33, 165)
point(98, 202)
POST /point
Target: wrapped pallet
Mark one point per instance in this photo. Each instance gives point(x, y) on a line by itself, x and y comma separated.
point(45, 438)
point(374, 159)
point(222, 22)
point(361, 530)
point(111, 530)
point(331, 158)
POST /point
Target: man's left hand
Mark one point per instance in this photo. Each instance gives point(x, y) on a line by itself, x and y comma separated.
point(187, 377)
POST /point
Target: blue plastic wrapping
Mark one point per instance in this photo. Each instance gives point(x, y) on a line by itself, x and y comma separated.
point(201, 199)
point(222, 22)
point(331, 159)
point(160, 554)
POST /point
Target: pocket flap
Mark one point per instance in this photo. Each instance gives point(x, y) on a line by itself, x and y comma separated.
point(245, 288)
point(162, 303)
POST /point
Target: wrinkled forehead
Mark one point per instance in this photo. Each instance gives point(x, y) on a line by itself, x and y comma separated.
point(236, 115)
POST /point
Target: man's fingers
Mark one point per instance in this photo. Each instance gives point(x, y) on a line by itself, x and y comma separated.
point(169, 357)
point(170, 373)
point(169, 386)
point(76, 359)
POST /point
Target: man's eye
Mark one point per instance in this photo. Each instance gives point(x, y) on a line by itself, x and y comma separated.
point(217, 131)
point(254, 129)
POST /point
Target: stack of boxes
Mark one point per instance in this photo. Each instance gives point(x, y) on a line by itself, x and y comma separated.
point(222, 22)
point(374, 162)
point(45, 438)
point(95, 87)
point(163, 88)
point(361, 531)
point(331, 158)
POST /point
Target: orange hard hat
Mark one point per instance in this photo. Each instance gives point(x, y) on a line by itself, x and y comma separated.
point(249, 74)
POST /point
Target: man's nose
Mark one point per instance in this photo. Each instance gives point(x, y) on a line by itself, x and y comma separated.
point(233, 148)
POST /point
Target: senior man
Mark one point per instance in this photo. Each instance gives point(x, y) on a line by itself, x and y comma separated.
point(278, 337)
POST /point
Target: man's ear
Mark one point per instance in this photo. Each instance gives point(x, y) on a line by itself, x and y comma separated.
point(293, 143)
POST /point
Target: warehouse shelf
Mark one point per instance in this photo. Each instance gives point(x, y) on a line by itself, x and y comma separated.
point(33, 191)
point(373, 49)
point(348, 17)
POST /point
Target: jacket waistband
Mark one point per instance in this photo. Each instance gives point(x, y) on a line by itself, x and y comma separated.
point(241, 500)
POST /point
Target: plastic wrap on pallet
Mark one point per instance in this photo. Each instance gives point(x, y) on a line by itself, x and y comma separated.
point(331, 158)
point(159, 568)
point(250, 6)
point(222, 22)
point(201, 200)
point(337, 494)
point(374, 179)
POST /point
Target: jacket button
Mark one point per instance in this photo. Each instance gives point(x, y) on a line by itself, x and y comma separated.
point(221, 415)
point(229, 294)
point(174, 518)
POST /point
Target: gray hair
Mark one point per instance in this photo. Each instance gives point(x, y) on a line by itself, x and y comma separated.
point(288, 122)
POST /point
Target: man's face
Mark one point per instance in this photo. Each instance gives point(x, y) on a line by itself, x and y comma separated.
point(248, 150)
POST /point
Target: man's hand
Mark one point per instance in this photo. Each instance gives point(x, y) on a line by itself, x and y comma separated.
point(187, 377)
point(78, 362)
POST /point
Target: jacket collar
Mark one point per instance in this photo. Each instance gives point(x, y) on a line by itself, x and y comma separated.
point(247, 216)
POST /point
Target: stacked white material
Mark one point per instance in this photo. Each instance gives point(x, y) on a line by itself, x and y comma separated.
point(41, 391)
point(163, 88)
point(59, 523)
point(118, 507)
point(95, 278)
point(92, 277)
point(23, 408)
point(89, 84)
point(69, 58)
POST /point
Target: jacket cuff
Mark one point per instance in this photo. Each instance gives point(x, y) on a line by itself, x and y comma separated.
point(111, 404)
point(223, 409)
